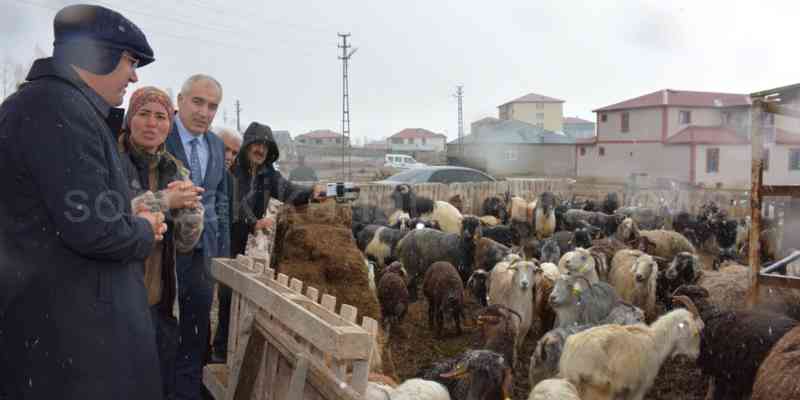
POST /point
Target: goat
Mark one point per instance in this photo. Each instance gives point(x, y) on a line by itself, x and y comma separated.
point(499, 330)
point(379, 243)
point(446, 214)
point(621, 362)
point(544, 217)
point(550, 251)
point(575, 305)
point(684, 269)
point(393, 295)
point(510, 285)
point(473, 375)
point(554, 389)
point(445, 293)
point(633, 275)
point(496, 207)
point(488, 253)
point(582, 262)
point(420, 389)
point(478, 284)
point(777, 377)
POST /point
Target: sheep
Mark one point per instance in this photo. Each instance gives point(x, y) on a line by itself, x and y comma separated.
point(422, 247)
point(489, 220)
point(420, 389)
point(510, 284)
point(684, 269)
point(501, 233)
point(582, 238)
point(499, 330)
point(578, 219)
point(550, 251)
point(664, 244)
point(393, 296)
point(646, 218)
point(544, 217)
point(554, 389)
point(582, 262)
point(418, 223)
point(457, 201)
point(633, 275)
point(445, 293)
point(366, 214)
point(545, 358)
point(473, 375)
point(379, 243)
point(607, 247)
point(777, 377)
point(733, 343)
point(622, 361)
point(478, 284)
point(400, 220)
point(544, 280)
point(416, 206)
point(581, 304)
point(496, 207)
point(530, 249)
point(488, 253)
point(611, 203)
point(565, 241)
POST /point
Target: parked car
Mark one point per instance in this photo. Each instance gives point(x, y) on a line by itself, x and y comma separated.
point(401, 161)
point(438, 174)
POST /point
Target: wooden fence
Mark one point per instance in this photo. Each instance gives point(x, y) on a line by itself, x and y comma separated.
point(473, 194)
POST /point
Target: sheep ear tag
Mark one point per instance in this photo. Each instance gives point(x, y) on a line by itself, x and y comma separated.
point(576, 290)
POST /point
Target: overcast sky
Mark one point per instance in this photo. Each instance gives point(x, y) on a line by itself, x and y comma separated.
point(279, 58)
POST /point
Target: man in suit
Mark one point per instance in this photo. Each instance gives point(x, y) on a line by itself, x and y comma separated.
point(204, 153)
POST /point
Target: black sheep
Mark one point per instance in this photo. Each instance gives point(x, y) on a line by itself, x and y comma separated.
point(611, 203)
point(445, 293)
point(684, 269)
point(725, 231)
point(734, 343)
point(565, 241)
point(365, 214)
point(405, 199)
point(473, 374)
point(393, 296)
point(582, 238)
point(379, 243)
point(550, 251)
point(478, 285)
point(501, 234)
point(496, 207)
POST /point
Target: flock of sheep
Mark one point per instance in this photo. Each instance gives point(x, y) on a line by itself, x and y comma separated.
point(613, 292)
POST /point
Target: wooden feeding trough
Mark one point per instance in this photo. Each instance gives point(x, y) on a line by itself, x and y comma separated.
point(773, 101)
point(286, 342)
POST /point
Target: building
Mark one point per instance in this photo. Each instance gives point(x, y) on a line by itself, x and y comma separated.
point(511, 147)
point(535, 109)
point(578, 128)
point(377, 145)
point(322, 137)
point(688, 136)
point(416, 140)
point(285, 144)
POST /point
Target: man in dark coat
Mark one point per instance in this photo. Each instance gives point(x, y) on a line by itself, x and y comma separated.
point(74, 320)
point(255, 182)
point(203, 152)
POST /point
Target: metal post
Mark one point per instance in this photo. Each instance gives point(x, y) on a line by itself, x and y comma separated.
point(756, 172)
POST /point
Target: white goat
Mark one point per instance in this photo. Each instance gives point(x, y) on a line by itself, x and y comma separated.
point(554, 389)
point(582, 262)
point(511, 285)
point(420, 389)
point(633, 275)
point(621, 362)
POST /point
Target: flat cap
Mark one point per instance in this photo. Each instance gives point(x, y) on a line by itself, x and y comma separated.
point(100, 34)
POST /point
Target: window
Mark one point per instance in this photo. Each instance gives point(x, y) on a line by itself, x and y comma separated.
point(726, 118)
point(765, 159)
point(410, 141)
point(539, 115)
point(602, 151)
point(625, 122)
point(712, 160)
point(794, 159)
point(583, 151)
point(603, 117)
point(685, 117)
point(511, 155)
point(540, 106)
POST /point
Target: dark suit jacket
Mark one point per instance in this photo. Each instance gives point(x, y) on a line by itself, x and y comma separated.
point(216, 228)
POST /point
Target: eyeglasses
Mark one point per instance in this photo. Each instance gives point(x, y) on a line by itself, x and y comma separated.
point(134, 62)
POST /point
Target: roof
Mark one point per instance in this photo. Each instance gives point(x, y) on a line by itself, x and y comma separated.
point(533, 98)
point(706, 135)
point(684, 98)
point(576, 120)
point(416, 133)
point(321, 134)
point(514, 132)
point(786, 137)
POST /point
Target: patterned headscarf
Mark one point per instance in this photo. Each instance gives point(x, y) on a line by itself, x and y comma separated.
point(146, 95)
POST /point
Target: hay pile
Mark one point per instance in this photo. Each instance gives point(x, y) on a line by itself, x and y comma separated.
point(315, 245)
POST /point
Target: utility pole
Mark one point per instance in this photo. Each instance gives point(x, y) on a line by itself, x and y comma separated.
point(238, 115)
point(460, 96)
point(346, 145)
point(225, 116)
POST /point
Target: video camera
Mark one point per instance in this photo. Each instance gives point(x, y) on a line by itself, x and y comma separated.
point(343, 191)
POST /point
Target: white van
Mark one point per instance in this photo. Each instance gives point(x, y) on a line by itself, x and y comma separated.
point(401, 161)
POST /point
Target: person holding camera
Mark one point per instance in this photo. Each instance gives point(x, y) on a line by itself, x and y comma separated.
point(255, 182)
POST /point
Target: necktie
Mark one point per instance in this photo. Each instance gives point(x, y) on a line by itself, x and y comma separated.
point(194, 163)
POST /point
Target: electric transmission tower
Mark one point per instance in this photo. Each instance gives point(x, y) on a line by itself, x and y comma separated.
point(346, 146)
point(460, 96)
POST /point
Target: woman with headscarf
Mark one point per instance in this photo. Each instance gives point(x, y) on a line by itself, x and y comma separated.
point(160, 183)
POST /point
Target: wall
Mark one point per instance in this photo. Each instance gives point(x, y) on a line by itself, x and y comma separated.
point(655, 159)
point(644, 123)
point(545, 160)
point(700, 117)
point(526, 112)
point(431, 144)
point(734, 166)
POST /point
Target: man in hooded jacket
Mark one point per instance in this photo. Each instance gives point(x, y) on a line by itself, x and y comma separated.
point(255, 182)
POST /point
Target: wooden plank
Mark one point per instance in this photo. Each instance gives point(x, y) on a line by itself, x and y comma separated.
point(296, 285)
point(271, 370)
point(780, 190)
point(781, 281)
point(260, 388)
point(269, 273)
point(283, 280)
point(250, 368)
point(233, 379)
point(328, 302)
point(298, 382)
point(212, 382)
point(345, 342)
point(312, 293)
point(756, 176)
point(233, 326)
point(348, 313)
